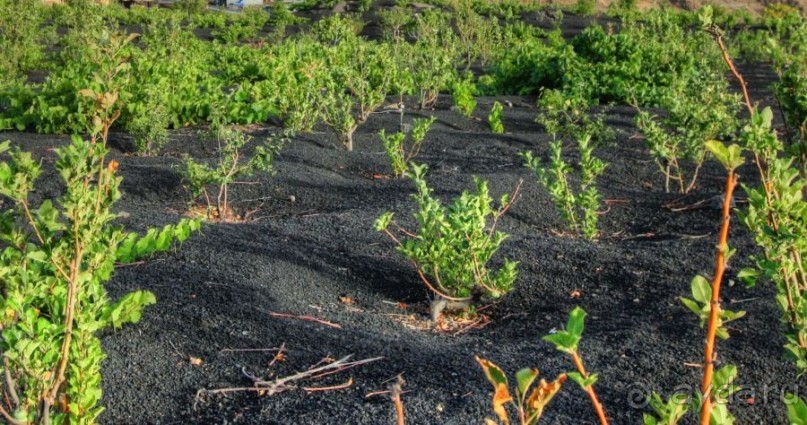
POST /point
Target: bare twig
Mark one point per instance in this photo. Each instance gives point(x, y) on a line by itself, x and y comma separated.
point(714, 312)
point(9, 418)
point(280, 385)
point(10, 384)
point(279, 356)
point(385, 392)
point(347, 384)
point(479, 323)
point(307, 319)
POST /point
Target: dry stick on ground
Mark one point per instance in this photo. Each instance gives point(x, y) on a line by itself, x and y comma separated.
point(247, 350)
point(307, 319)
point(578, 364)
point(347, 384)
point(280, 385)
point(279, 356)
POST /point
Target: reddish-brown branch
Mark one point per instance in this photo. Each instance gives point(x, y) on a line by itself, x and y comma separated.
point(10, 418)
point(578, 364)
point(730, 63)
point(714, 313)
point(433, 289)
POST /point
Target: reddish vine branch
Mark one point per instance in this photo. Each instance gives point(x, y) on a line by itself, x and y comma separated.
point(714, 313)
point(595, 401)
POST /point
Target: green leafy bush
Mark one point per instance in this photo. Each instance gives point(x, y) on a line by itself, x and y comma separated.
point(775, 216)
point(495, 118)
point(454, 244)
point(432, 59)
point(394, 20)
point(191, 7)
point(463, 91)
point(578, 207)
point(397, 152)
point(791, 91)
point(53, 270)
point(20, 38)
point(585, 7)
point(477, 36)
point(149, 127)
point(231, 164)
point(699, 108)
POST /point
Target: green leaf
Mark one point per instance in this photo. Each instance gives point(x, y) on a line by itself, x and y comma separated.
point(129, 308)
point(583, 382)
point(728, 315)
point(494, 373)
point(719, 150)
point(731, 157)
point(701, 290)
point(724, 376)
point(767, 116)
point(796, 410)
point(576, 322)
point(563, 341)
point(749, 276)
point(383, 222)
point(692, 306)
point(720, 415)
point(525, 377)
point(501, 396)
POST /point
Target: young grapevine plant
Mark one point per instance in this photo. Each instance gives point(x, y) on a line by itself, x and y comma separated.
point(454, 244)
point(579, 208)
point(394, 145)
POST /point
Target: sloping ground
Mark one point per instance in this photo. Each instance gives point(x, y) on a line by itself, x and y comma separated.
point(307, 256)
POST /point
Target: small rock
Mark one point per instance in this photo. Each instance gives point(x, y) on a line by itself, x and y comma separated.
point(292, 198)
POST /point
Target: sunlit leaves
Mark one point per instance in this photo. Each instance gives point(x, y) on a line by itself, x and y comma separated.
point(566, 340)
point(701, 304)
point(730, 156)
point(495, 118)
point(60, 255)
point(529, 405)
point(454, 243)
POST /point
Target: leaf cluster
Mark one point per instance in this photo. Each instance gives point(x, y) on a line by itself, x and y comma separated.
point(529, 405)
point(394, 145)
point(454, 244)
point(56, 258)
